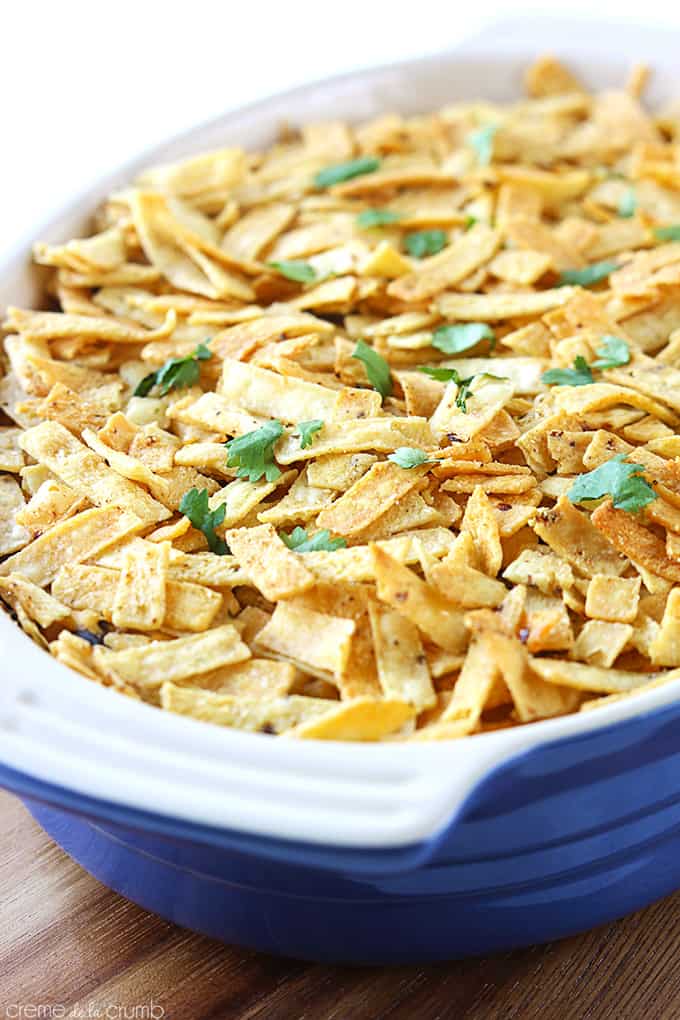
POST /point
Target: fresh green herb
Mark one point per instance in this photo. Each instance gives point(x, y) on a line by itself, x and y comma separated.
point(454, 339)
point(579, 375)
point(409, 457)
point(339, 172)
point(668, 233)
point(588, 276)
point(613, 353)
point(440, 374)
point(425, 242)
point(295, 269)
point(377, 369)
point(306, 430)
point(470, 222)
point(464, 391)
point(175, 374)
point(320, 542)
point(253, 453)
point(628, 204)
point(616, 478)
point(482, 142)
point(194, 505)
point(377, 218)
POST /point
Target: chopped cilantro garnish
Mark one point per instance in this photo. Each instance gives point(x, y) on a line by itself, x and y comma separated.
point(409, 457)
point(194, 505)
point(628, 204)
point(470, 222)
point(464, 385)
point(295, 269)
point(425, 242)
point(377, 218)
point(320, 542)
point(377, 369)
point(588, 276)
point(339, 172)
point(175, 374)
point(440, 374)
point(579, 375)
point(613, 353)
point(671, 233)
point(482, 142)
point(616, 478)
point(306, 430)
point(454, 339)
point(253, 453)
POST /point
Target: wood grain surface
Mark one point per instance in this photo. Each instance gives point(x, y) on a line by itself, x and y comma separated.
point(69, 945)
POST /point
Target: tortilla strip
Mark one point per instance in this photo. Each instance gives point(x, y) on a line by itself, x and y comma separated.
point(449, 267)
point(55, 326)
point(314, 641)
point(262, 392)
point(270, 715)
point(593, 678)
point(632, 539)
point(361, 719)
point(382, 435)
point(402, 667)
point(271, 566)
point(71, 541)
point(383, 485)
point(573, 536)
point(139, 602)
point(188, 606)
point(87, 473)
point(150, 665)
point(494, 307)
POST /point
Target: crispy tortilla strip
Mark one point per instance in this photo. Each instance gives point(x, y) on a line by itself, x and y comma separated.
point(614, 599)
point(256, 715)
point(17, 592)
point(480, 522)
point(148, 666)
point(494, 307)
point(580, 400)
point(600, 643)
point(592, 678)
point(316, 642)
point(647, 376)
point(12, 535)
point(140, 601)
point(574, 537)
point(240, 497)
point(521, 267)
point(101, 251)
point(339, 471)
point(380, 488)
point(56, 326)
point(187, 606)
point(87, 473)
point(123, 464)
point(301, 502)
point(356, 564)
point(215, 413)
point(665, 648)
point(11, 455)
point(382, 435)
point(532, 696)
point(255, 231)
point(486, 398)
point(523, 373)
point(402, 666)
point(271, 566)
point(418, 601)
point(254, 678)
point(72, 541)
point(548, 77)
point(449, 267)
point(361, 719)
point(632, 539)
point(268, 394)
point(474, 686)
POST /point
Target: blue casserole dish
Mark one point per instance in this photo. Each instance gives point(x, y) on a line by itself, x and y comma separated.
point(345, 853)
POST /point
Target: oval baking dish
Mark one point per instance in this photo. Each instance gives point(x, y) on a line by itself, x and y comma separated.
point(356, 853)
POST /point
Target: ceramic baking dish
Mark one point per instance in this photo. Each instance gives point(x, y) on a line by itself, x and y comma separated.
point(347, 852)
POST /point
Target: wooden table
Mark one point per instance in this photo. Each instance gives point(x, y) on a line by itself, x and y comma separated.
point(66, 941)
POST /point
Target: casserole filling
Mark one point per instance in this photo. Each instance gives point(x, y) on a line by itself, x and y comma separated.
point(370, 436)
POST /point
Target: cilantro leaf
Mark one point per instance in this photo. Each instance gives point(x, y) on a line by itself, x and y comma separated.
point(306, 430)
point(616, 478)
point(320, 542)
point(425, 242)
point(454, 339)
point(671, 233)
point(613, 353)
point(464, 391)
point(295, 269)
point(409, 457)
point(377, 218)
point(438, 373)
point(628, 204)
point(579, 375)
point(470, 222)
point(590, 275)
point(377, 369)
point(464, 385)
point(482, 142)
point(339, 172)
point(194, 505)
point(253, 453)
point(175, 374)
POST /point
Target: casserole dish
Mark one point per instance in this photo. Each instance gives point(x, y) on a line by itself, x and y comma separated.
point(368, 854)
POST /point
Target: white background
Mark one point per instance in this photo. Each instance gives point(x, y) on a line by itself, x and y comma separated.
point(86, 85)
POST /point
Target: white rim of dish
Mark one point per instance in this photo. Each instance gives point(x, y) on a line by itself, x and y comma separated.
point(60, 728)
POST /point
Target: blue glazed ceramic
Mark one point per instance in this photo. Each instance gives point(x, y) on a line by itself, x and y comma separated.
point(556, 840)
